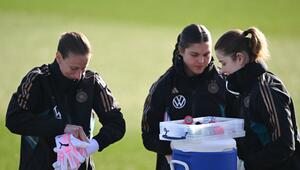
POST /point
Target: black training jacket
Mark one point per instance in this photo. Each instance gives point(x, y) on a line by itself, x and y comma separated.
point(46, 101)
point(272, 139)
point(174, 96)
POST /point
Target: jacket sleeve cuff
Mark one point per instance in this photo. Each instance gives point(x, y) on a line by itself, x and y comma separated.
point(93, 147)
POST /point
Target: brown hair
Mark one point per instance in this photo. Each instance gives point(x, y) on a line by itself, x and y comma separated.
point(252, 41)
point(74, 42)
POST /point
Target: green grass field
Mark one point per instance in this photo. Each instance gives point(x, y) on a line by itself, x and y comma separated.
point(132, 44)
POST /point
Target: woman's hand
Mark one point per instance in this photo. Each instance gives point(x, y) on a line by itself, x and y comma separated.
point(76, 131)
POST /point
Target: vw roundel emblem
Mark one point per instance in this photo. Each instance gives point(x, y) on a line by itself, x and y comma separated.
point(179, 101)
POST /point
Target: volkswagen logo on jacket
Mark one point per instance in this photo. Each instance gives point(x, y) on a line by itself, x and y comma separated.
point(179, 101)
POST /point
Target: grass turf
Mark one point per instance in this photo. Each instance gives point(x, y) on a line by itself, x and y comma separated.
point(132, 45)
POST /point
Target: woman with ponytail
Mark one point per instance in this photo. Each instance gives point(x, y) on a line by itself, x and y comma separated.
point(191, 87)
point(272, 139)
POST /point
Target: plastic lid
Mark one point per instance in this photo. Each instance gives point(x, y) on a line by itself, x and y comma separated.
point(202, 128)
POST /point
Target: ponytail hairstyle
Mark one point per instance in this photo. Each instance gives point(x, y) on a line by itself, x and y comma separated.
point(252, 41)
point(190, 34)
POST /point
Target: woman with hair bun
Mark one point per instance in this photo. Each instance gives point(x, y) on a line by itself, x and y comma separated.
point(272, 139)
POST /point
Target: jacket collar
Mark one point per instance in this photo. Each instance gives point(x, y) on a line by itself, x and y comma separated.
point(62, 83)
point(242, 80)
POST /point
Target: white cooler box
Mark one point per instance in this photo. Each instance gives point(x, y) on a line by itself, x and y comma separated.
point(206, 144)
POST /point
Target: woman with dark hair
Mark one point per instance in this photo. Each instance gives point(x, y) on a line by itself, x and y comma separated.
point(191, 87)
point(272, 139)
